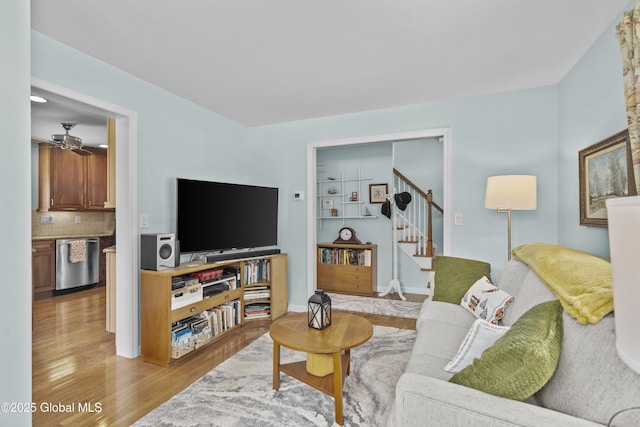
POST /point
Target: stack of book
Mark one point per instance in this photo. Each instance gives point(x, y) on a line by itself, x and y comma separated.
point(257, 294)
point(256, 311)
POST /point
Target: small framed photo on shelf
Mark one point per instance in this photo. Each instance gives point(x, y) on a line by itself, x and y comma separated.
point(327, 204)
point(606, 171)
point(378, 193)
point(354, 196)
point(334, 212)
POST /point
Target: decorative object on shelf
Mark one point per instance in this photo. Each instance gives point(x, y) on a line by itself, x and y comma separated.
point(334, 212)
point(319, 315)
point(354, 196)
point(624, 241)
point(347, 235)
point(327, 204)
point(378, 193)
point(606, 171)
point(400, 201)
point(332, 190)
point(367, 212)
point(510, 192)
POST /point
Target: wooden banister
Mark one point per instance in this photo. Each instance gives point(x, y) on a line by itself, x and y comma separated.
point(428, 196)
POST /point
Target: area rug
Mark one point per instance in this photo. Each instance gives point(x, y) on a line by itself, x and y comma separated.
point(239, 392)
point(386, 307)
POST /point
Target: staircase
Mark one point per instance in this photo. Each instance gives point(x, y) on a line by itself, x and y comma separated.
point(414, 224)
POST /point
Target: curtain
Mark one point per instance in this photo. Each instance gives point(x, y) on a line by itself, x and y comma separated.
point(628, 30)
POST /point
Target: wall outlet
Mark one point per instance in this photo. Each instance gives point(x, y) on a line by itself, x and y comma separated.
point(46, 219)
point(78, 219)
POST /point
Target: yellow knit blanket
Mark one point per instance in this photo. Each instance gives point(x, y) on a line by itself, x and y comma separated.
point(581, 281)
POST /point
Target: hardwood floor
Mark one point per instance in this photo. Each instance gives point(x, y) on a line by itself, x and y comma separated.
point(78, 379)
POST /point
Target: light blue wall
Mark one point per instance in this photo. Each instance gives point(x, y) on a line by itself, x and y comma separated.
point(508, 133)
point(176, 138)
point(15, 217)
point(591, 109)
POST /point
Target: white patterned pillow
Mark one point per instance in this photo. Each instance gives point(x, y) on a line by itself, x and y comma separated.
point(486, 301)
point(480, 337)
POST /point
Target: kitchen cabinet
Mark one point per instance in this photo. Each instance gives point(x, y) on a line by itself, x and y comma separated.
point(69, 181)
point(43, 268)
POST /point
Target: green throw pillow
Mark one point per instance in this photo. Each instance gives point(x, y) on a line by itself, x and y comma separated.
point(521, 361)
point(454, 276)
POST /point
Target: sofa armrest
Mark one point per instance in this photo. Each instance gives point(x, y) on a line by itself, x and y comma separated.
point(424, 401)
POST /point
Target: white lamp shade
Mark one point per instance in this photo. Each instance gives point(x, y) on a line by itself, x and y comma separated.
point(516, 192)
point(624, 245)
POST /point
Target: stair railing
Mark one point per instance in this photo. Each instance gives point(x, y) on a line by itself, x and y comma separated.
point(417, 218)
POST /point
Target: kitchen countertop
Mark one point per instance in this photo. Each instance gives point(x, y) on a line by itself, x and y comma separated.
point(34, 238)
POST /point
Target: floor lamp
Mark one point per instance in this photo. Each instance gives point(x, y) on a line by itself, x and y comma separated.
point(510, 192)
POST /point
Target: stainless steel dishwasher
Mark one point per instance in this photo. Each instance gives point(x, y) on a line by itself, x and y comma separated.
point(77, 262)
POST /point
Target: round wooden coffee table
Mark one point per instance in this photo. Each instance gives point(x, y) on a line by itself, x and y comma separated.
point(346, 332)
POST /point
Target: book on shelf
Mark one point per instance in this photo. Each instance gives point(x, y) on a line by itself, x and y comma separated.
point(345, 256)
point(257, 270)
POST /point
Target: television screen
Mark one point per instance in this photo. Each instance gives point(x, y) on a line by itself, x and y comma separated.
point(216, 216)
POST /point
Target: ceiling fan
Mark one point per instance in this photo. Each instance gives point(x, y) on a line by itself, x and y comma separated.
point(69, 142)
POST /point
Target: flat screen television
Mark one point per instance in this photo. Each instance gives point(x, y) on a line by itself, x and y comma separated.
point(218, 216)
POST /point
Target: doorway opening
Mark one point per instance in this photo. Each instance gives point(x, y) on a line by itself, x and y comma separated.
point(127, 300)
point(443, 134)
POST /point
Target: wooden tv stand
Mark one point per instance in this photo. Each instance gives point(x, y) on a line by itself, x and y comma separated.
point(259, 290)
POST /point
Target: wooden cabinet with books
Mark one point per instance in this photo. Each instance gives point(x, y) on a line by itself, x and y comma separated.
point(348, 269)
point(193, 305)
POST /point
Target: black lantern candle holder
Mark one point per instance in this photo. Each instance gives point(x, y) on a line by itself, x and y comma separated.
point(319, 310)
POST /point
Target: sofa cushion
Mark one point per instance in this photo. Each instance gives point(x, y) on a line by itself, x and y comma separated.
point(443, 327)
point(531, 292)
point(454, 276)
point(591, 381)
point(480, 337)
point(486, 301)
point(521, 361)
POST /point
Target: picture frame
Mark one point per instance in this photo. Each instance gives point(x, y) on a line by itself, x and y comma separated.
point(378, 193)
point(327, 204)
point(605, 171)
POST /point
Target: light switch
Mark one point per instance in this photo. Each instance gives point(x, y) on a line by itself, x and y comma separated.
point(458, 219)
point(144, 220)
point(298, 195)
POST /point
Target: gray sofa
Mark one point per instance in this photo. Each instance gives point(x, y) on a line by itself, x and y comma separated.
point(590, 384)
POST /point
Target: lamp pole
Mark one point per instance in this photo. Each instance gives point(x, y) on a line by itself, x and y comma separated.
point(508, 212)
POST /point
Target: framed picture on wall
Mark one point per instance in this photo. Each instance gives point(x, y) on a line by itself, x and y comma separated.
point(606, 171)
point(378, 193)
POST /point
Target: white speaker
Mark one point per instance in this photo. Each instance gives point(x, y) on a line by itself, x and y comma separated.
point(158, 251)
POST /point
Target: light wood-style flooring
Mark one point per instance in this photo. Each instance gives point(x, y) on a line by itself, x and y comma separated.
point(78, 379)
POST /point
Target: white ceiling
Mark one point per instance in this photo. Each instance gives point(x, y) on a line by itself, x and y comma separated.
point(262, 62)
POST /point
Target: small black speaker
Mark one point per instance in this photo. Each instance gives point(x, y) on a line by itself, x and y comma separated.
point(158, 251)
point(177, 256)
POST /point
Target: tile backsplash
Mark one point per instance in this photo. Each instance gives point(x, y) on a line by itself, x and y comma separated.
point(53, 224)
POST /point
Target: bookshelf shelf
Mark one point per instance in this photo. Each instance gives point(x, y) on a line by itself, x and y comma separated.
point(349, 269)
point(339, 205)
point(187, 308)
